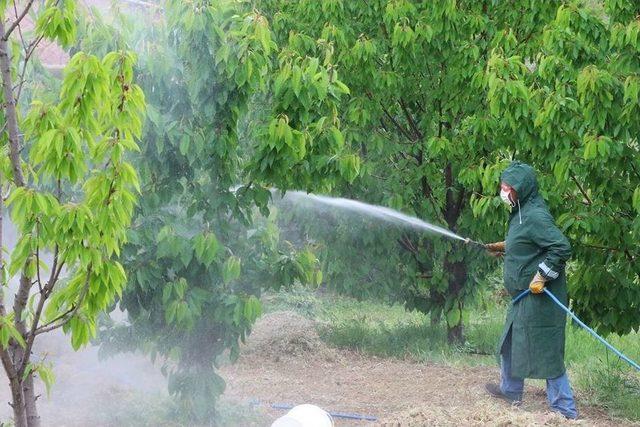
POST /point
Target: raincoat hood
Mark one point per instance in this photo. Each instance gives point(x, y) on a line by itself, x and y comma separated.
point(522, 177)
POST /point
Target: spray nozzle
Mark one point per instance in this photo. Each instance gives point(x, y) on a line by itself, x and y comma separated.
point(468, 241)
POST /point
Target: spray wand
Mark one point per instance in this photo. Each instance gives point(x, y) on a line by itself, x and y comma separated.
point(475, 243)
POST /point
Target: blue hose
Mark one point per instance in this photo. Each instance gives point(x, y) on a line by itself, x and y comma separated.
point(581, 323)
point(519, 297)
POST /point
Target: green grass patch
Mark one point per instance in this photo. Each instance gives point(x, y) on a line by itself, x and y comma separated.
point(233, 414)
point(388, 330)
point(137, 408)
point(602, 377)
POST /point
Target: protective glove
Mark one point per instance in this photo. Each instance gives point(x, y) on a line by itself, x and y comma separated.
point(537, 284)
point(496, 249)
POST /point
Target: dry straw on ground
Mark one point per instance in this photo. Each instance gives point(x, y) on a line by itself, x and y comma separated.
point(284, 361)
point(479, 414)
point(283, 335)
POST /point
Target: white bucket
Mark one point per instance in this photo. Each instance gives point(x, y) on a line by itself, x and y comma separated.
point(304, 416)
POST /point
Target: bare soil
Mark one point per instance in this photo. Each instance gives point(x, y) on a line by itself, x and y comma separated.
point(284, 361)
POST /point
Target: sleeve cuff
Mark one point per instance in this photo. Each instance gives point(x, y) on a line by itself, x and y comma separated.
point(547, 272)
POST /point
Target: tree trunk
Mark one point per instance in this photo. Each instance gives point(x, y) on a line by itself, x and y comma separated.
point(456, 268)
point(11, 115)
point(455, 334)
point(435, 317)
point(29, 392)
point(19, 389)
point(17, 397)
point(457, 278)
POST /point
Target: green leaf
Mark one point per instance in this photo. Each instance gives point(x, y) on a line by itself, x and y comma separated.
point(166, 294)
point(342, 87)
point(212, 248)
point(338, 138)
point(231, 269)
point(636, 199)
point(47, 376)
point(186, 255)
point(9, 332)
point(454, 316)
point(199, 245)
point(184, 145)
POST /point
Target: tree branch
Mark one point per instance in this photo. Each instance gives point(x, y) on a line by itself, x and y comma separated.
point(408, 156)
point(8, 364)
point(10, 110)
point(44, 296)
point(604, 248)
point(450, 212)
point(410, 247)
point(461, 197)
point(16, 23)
point(383, 125)
point(635, 171)
point(28, 53)
point(68, 315)
point(412, 123)
point(398, 126)
point(15, 11)
point(48, 327)
point(4, 354)
point(584, 193)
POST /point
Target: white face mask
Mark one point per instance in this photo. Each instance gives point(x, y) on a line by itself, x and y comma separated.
point(506, 197)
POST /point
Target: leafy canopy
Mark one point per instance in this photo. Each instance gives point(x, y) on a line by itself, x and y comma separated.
point(222, 111)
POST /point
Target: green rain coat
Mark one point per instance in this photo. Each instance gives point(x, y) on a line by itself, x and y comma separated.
point(534, 243)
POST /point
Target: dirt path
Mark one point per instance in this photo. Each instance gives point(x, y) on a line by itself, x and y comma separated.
point(285, 362)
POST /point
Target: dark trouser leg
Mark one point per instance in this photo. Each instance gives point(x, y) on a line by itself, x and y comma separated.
point(509, 385)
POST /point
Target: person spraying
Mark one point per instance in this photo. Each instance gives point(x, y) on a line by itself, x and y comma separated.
point(535, 253)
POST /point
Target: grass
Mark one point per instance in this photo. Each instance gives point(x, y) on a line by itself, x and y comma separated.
point(126, 408)
point(600, 378)
point(389, 330)
point(158, 409)
point(233, 414)
point(603, 378)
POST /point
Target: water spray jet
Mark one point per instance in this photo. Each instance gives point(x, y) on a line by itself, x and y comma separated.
point(379, 212)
